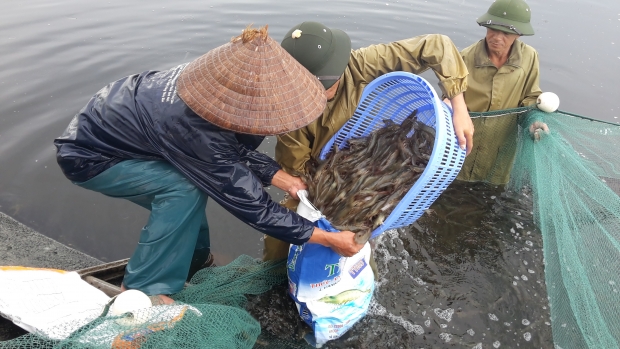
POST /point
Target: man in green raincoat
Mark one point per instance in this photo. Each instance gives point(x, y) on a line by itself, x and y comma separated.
point(503, 73)
point(327, 54)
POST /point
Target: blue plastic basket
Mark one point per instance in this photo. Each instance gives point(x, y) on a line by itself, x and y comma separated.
point(395, 96)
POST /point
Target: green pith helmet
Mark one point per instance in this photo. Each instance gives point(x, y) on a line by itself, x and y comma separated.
point(324, 52)
point(510, 16)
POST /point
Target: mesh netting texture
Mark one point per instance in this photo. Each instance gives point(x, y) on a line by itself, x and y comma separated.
point(209, 313)
point(574, 176)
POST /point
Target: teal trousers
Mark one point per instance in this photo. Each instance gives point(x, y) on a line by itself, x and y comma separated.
point(175, 238)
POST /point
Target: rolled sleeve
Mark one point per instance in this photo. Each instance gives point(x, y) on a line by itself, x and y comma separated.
point(416, 55)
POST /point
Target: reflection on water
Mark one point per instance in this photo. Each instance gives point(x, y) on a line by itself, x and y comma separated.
point(469, 274)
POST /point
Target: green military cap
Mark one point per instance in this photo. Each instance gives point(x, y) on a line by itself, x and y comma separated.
point(323, 51)
point(510, 16)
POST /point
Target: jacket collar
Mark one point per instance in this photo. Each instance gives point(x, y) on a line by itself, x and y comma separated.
point(481, 57)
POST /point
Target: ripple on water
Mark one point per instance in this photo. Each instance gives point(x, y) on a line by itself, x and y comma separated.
point(446, 337)
point(379, 310)
point(444, 314)
point(418, 330)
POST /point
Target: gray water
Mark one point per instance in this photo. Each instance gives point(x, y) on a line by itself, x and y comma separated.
point(56, 55)
point(469, 274)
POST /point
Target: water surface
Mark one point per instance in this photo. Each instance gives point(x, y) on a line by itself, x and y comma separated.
point(469, 274)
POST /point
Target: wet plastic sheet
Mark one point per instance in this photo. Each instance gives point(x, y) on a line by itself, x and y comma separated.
point(50, 302)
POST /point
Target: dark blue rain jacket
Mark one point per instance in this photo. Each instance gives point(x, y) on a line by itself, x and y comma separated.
point(141, 117)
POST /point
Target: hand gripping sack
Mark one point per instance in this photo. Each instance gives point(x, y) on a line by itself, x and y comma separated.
point(331, 292)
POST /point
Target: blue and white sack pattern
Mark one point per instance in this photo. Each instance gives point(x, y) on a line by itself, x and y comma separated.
point(331, 292)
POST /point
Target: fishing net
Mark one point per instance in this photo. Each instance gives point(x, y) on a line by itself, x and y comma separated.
point(209, 313)
point(573, 174)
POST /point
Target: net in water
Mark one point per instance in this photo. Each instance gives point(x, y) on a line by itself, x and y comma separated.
point(574, 176)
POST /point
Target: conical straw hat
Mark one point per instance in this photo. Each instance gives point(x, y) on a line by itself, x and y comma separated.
point(252, 85)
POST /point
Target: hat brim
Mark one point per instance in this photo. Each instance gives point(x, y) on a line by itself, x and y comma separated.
point(523, 28)
point(252, 87)
point(340, 59)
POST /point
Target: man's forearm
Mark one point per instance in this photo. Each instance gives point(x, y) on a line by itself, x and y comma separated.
point(463, 126)
point(288, 183)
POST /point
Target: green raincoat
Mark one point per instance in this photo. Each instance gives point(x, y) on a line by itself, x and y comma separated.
point(515, 84)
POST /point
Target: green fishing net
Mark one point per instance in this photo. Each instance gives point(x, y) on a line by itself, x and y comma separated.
point(574, 177)
point(209, 313)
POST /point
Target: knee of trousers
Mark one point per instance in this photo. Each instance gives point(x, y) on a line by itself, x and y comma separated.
point(189, 192)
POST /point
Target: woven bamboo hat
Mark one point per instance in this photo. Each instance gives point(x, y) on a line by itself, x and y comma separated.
point(252, 85)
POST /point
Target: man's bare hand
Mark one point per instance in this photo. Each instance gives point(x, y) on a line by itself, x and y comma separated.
point(342, 242)
point(288, 183)
point(463, 126)
point(538, 129)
